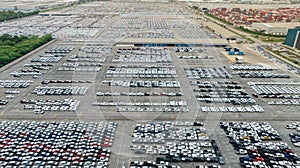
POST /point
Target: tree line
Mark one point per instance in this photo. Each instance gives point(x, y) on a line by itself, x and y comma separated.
point(13, 47)
point(8, 15)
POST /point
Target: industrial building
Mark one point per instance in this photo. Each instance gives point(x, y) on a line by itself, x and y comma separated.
point(293, 38)
point(274, 28)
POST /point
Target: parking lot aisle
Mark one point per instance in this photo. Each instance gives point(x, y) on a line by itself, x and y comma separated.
point(186, 89)
point(231, 159)
point(284, 133)
point(106, 27)
point(85, 112)
point(120, 149)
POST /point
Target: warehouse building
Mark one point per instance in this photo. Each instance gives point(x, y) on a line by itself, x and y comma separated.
point(274, 28)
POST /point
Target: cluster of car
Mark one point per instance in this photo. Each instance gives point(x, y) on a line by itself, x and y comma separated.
point(261, 74)
point(195, 57)
point(250, 67)
point(54, 54)
point(295, 137)
point(149, 72)
point(60, 90)
point(55, 144)
point(233, 96)
point(139, 94)
point(189, 49)
point(40, 106)
point(79, 69)
point(177, 142)
point(15, 83)
point(147, 84)
point(235, 101)
point(276, 90)
point(170, 103)
point(75, 33)
point(204, 73)
point(158, 34)
point(150, 109)
point(294, 125)
point(139, 55)
point(233, 109)
point(258, 142)
point(151, 164)
point(285, 102)
point(196, 33)
point(3, 102)
point(65, 81)
point(222, 92)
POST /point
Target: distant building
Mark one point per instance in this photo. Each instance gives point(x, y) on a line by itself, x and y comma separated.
point(274, 28)
point(293, 38)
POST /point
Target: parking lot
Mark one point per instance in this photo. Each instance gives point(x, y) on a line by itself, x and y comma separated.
point(167, 100)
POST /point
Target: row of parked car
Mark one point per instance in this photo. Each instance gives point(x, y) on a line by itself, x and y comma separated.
point(69, 32)
point(233, 109)
point(258, 142)
point(96, 49)
point(149, 109)
point(204, 73)
point(79, 69)
point(189, 49)
point(15, 83)
point(262, 74)
point(285, 102)
point(170, 103)
point(75, 65)
point(234, 101)
point(144, 71)
point(65, 81)
point(216, 84)
point(275, 88)
point(41, 106)
point(97, 57)
point(151, 164)
point(147, 84)
point(60, 90)
point(55, 144)
point(139, 94)
point(39, 66)
point(34, 73)
point(195, 57)
point(251, 67)
point(142, 58)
